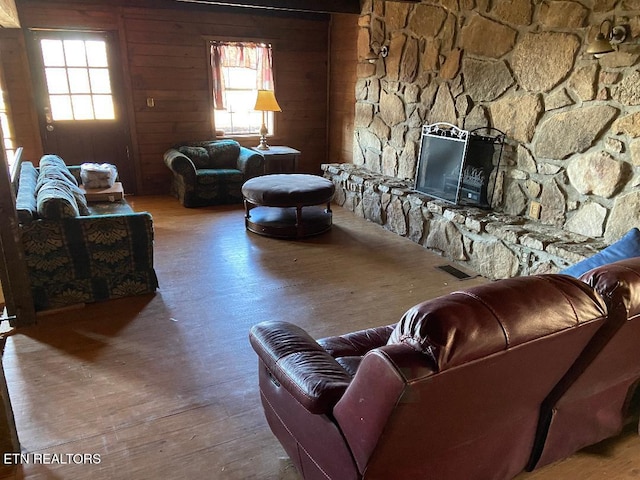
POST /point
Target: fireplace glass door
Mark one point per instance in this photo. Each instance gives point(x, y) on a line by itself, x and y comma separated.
point(442, 152)
point(458, 166)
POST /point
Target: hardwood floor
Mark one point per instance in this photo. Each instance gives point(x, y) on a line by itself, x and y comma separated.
point(165, 386)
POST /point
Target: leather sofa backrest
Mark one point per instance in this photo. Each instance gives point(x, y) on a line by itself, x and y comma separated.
point(484, 320)
point(456, 392)
point(592, 401)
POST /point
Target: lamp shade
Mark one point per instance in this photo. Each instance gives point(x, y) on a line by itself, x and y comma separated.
point(266, 101)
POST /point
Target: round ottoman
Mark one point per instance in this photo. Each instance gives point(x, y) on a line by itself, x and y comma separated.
point(286, 205)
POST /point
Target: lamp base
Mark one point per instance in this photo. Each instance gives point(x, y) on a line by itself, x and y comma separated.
point(263, 144)
point(263, 136)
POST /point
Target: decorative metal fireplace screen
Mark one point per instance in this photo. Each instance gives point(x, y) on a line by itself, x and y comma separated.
point(458, 166)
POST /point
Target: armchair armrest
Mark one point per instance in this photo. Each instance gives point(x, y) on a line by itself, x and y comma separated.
point(357, 343)
point(180, 164)
point(250, 163)
point(300, 365)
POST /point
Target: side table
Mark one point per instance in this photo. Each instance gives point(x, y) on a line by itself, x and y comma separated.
point(279, 159)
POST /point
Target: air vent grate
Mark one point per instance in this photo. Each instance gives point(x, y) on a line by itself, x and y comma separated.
point(451, 270)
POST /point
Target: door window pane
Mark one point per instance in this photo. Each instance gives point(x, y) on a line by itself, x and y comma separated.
point(97, 54)
point(57, 80)
point(52, 53)
point(61, 107)
point(67, 72)
point(79, 80)
point(100, 82)
point(82, 107)
point(74, 53)
point(103, 107)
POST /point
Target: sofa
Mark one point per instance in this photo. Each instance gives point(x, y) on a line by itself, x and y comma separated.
point(211, 172)
point(598, 396)
point(460, 387)
point(78, 252)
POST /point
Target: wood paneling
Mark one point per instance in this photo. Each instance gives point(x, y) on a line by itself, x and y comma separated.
point(53, 14)
point(342, 85)
point(165, 57)
point(19, 97)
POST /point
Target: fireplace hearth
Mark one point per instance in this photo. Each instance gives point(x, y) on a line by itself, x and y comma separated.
point(459, 166)
point(491, 243)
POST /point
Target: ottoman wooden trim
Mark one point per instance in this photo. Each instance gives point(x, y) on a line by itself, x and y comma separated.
point(286, 205)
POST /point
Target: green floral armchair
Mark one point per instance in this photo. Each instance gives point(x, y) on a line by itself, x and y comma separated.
point(211, 172)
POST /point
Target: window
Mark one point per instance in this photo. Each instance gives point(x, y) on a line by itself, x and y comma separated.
point(77, 77)
point(7, 135)
point(239, 70)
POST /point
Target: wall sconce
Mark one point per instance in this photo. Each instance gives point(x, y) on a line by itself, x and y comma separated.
point(376, 51)
point(607, 40)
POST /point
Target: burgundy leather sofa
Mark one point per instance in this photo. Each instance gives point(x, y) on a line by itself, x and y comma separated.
point(595, 398)
point(453, 391)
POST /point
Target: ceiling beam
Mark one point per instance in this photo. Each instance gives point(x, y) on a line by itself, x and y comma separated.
point(317, 6)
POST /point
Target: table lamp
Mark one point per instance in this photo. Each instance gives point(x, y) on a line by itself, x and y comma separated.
point(265, 102)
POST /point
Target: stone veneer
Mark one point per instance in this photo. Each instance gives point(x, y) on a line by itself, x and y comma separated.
point(496, 245)
point(572, 121)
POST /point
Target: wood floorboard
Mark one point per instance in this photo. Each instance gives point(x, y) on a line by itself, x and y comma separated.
point(165, 386)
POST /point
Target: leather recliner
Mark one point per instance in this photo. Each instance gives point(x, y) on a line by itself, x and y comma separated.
point(595, 398)
point(454, 390)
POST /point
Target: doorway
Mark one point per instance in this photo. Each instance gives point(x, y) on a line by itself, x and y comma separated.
point(78, 89)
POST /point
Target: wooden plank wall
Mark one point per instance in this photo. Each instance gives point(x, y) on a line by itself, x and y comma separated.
point(165, 57)
point(342, 87)
point(16, 81)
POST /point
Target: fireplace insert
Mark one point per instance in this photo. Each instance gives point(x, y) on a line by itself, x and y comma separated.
point(459, 166)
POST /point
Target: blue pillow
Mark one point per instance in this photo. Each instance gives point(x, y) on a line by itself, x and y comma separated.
point(627, 247)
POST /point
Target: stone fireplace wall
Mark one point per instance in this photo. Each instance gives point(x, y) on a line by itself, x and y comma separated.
point(572, 121)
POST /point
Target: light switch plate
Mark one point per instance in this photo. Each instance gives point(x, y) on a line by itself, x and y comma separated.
point(534, 210)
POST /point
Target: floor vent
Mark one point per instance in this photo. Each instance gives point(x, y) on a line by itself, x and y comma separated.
point(459, 274)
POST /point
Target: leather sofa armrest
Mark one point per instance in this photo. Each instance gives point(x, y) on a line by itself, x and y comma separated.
point(357, 343)
point(180, 164)
point(375, 392)
point(250, 163)
point(618, 283)
point(300, 365)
